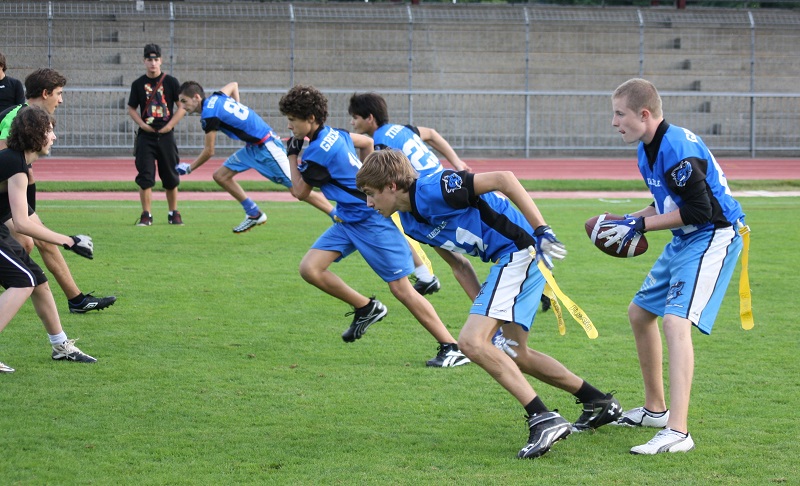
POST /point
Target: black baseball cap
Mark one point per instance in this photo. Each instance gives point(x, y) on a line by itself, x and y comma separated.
point(152, 50)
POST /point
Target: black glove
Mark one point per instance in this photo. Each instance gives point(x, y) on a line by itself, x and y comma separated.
point(294, 146)
point(82, 245)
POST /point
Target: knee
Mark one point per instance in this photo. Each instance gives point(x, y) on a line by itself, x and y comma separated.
point(308, 272)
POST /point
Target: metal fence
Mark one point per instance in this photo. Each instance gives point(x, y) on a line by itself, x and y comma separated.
point(495, 80)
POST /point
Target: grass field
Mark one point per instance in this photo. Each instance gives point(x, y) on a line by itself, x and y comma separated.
point(219, 365)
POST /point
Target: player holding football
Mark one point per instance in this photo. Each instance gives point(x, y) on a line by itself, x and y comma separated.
point(688, 281)
point(330, 162)
point(264, 151)
point(460, 211)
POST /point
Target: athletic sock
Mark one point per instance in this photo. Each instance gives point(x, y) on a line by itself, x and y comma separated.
point(251, 208)
point(77, 300)
point(654, 414)
point(587, 393)
point(536, 406)
point(423, 274)
point(56, 339)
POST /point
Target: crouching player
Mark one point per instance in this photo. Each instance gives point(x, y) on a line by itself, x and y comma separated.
point(31, 136)
point(459, 211)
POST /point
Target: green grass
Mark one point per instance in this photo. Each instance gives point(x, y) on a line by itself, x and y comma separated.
point(531, 185)
point(219, 365)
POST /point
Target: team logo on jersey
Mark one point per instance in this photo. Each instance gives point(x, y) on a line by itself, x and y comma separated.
point(682, 173)
point(452, 182)
point(675, 291)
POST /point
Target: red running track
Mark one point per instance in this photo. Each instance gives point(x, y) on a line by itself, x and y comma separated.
point(122, 169)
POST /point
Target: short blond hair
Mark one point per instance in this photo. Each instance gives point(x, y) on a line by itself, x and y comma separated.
point(384, 167)
point(640, 94)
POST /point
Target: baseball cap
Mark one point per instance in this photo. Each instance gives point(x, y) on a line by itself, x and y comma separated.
point(152, 50)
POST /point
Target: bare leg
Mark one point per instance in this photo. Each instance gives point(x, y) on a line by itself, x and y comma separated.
point(45, 307)
point(314, 270)
point(172, 198)
point(10, 302)
point(146, 198)
point(649, 348)
point(421, 309)
point(224, 177)
point(678, 332)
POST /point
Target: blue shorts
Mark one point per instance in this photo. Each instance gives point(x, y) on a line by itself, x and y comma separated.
point(512, 290)
point(268, 159)
point(691, 276)
point(378, 240)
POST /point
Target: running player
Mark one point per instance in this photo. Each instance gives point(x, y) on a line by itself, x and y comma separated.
point(370, 116)
point(460, 211)
point(330, 162)
point(263, 151)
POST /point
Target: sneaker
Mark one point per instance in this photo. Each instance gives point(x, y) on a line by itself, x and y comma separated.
point(666, 440)
point(363, 318)
point(4, 368)
point(68, 351)
point(426, 288)
point(146, 219)
point(598, 413)
point(448, 357)
point(641, 417)
point(249, 223)
point(90, 302)
point(174, 218)
point(546, 429)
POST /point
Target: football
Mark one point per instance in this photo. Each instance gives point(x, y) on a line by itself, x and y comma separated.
point(635, 247)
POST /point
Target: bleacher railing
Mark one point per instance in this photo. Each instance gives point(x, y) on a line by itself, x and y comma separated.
point(495, 80)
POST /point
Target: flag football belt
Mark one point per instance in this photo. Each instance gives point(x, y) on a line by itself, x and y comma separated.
point(745, 302)
point(554, 293)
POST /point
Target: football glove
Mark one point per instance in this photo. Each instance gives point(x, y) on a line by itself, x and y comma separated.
point(621, 231)
point(548, 246)
point(82, 245)
point(184, 168)
point(503, 344)
point(294, 146)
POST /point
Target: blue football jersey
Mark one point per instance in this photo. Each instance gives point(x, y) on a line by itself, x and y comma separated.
point(225, 114)
point(407, 140)
point(684, 159)
point(330, 162)
point(445, 212)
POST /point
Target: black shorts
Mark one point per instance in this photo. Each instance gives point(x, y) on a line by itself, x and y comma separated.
point(16, 267)
point(157, 150)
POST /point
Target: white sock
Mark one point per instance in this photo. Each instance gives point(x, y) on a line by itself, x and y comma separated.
point(423, 274)
point(56, 339)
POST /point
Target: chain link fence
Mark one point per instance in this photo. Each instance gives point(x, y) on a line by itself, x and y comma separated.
point(495, 80)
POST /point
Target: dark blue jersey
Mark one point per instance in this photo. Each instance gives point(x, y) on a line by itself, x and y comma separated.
point(330, 162)
point(225, 114)
point(684, 172)
point(445, 212)
point(407, 140)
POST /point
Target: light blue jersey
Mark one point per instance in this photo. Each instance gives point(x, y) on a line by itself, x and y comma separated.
point(407, 140)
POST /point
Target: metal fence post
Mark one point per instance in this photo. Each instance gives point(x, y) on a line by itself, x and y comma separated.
point(49, 34)
point(527, 84)
point(291, 45)
point(171, 35)
point(752, 84)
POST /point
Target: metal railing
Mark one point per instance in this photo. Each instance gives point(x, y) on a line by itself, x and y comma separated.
point(514, 80)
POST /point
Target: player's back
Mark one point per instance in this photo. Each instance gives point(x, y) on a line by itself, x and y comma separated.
point(239, 122)
point(406, 139)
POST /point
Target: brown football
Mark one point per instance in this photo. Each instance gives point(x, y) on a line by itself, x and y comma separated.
point(635, 247)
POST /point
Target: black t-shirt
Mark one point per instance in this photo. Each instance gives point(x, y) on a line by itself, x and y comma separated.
point(11, 164)
point(11, 93)
point(162, 107)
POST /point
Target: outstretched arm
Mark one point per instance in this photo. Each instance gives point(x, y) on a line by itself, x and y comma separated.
point(364, 144)
point(508, 184)
point(432, 137)
point(231, 89)
point(209, 144)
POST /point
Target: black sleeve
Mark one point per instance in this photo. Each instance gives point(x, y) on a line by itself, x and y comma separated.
point(687, 178)
point(19, 93)
point(134, 100)
point(458, 189)
point(210, 124)
point(315, 175)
